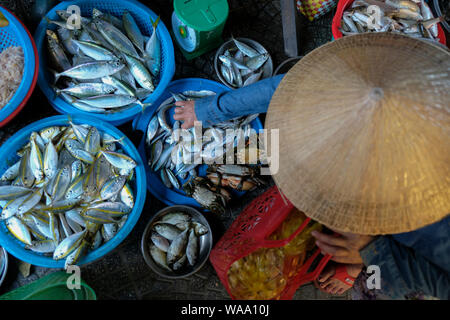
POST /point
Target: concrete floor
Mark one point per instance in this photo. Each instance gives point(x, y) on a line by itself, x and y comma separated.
point(123, 274)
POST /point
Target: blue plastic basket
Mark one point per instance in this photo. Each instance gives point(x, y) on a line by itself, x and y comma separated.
point(16, 34)
point(154, 183)
point(142, 15)
point(8, 156)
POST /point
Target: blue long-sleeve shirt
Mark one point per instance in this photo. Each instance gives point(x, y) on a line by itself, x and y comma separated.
point(417, 261)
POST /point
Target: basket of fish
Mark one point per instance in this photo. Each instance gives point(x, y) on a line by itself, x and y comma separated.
point(71, 190)
point(19, 64)
point(176, 242)
point(412, 18)
point(180, 164)
point(240, 62)
point(110, 59)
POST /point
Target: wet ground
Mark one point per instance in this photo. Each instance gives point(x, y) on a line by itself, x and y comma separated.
point(123, 274)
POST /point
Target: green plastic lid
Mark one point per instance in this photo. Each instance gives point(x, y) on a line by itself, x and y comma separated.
point(202, 15)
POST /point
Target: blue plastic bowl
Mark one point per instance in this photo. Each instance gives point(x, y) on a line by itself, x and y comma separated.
point(8, 156)
point(142, 15)
point(154, 184)
point(16, 34)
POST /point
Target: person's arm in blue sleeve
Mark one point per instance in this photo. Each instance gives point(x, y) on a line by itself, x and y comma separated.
point(404, 271)
point(227, 105)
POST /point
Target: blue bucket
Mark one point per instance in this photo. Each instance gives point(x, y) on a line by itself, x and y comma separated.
point(8, 156)
point(142, 15)
point(16, 34)
point(155, 185)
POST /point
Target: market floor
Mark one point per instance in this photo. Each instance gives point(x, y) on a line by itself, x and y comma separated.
point(123, 274)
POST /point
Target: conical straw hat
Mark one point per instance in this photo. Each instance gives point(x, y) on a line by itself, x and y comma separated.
point(364, 127)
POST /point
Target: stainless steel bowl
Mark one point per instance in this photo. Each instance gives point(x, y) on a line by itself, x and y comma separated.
point(3, 264)
point(205, 243)
point(267, 68)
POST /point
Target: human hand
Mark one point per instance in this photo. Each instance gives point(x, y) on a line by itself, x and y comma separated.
point(186, 113)
point(343, 248)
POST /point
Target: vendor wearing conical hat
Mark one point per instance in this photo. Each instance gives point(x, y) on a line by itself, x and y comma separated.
point(364, 125)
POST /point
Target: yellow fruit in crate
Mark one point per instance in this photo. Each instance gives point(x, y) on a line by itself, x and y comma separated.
point(264, 273)
point(258, 275)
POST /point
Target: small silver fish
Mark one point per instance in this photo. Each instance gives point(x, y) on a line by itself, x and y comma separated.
point(108, 231)
point(159, 257)
point(11, 173)
point(112, 187)
point(95, 51)
point(89, 89)
point(173, 180)
point(132, 30)
point(76, 254)
point(50, 160)
point(19, 230)
point(12, 192)
point(159, 241)
point(176, 217)
point(140, 72)
point(114, 209)
point(152, 129)
point(199, 228)
point(192, 248)
point(42, 246)
point(177, 247)
point(92, 70)
point(165, 178)
point(167, 230)
point(61, 183)
point(180, 263)
point(246, 49)
point(68, 245)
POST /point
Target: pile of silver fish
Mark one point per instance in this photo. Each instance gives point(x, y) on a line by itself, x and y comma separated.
point(164, 140)
point(242, 65)
point(107, 65)
point(175, 241)
point(69, 192)
point(413, 18)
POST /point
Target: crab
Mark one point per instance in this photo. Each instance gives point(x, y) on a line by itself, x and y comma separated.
point(199, 189)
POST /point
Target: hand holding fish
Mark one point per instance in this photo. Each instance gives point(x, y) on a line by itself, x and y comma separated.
point(186, 113)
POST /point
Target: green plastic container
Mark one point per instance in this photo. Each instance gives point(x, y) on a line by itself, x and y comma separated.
point(51, 287)
point(197, 25)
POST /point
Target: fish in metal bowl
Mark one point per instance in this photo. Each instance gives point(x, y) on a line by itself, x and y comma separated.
point(177, 242)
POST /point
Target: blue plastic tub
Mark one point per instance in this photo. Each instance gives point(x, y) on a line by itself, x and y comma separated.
point(154, 183)
point(16, 34)
point(142, 15)
point(8, 156)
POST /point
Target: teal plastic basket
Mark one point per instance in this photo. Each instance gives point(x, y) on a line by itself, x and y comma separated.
point(142, 15)
point(8, 156)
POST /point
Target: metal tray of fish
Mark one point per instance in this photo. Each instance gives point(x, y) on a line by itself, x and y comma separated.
point(194, 243)
point(177, 196)
point(249, 62)
point(9, 157)
point(114, 10)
